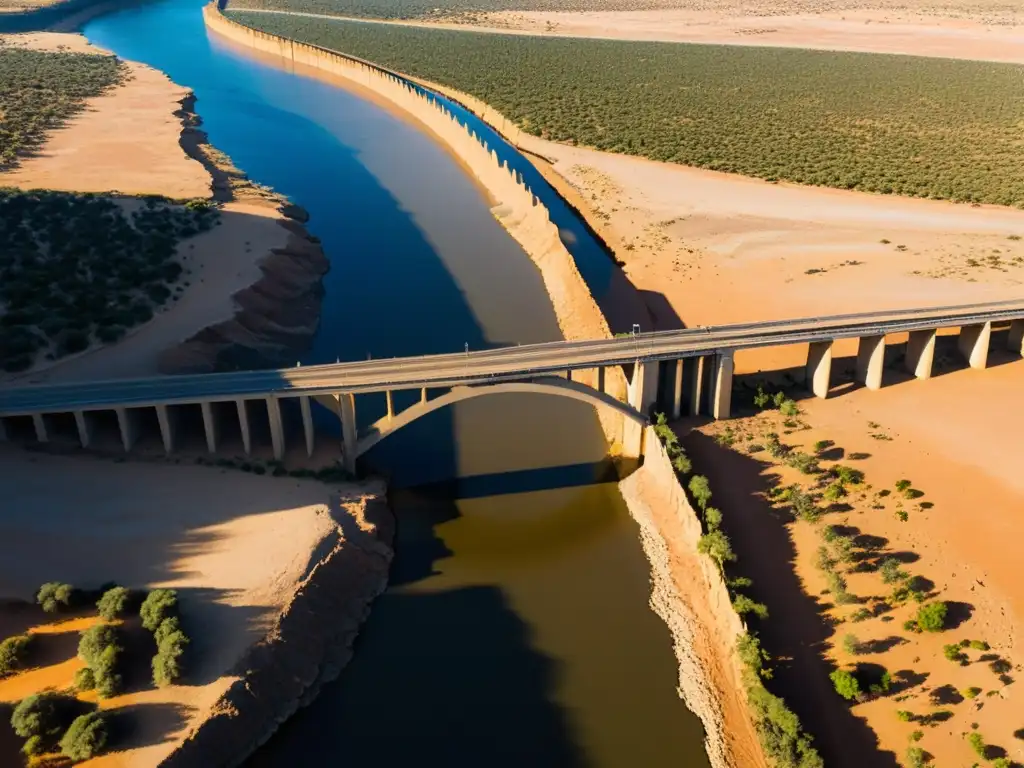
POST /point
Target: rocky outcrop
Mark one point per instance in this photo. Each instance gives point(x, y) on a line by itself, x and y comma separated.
point(309, 645)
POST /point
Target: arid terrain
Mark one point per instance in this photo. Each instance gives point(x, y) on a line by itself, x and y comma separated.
point(199, 531)
point(980, 29)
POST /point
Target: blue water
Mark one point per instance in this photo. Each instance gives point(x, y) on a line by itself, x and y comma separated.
point(516, 629)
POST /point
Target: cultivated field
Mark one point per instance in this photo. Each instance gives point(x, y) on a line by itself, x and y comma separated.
point(893, 125)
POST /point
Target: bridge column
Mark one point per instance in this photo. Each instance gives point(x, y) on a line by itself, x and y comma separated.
point(921, 353)
point(695, 382)
point(721, 403)
point(643, 389)
point(127, 424)
point(276, 427)
point(677, 390)
point(84, 433)
point(600, 378)
point(3, 431)
point(209, 426)
point(819, 367)
point(307, 423)
point(870, 361)
point(391, 405)
point(1015, 339)
point(243, 423)
point(164, 416)
point(423, 395)
point(349, 430)
point(40, 425)
point(973, 343)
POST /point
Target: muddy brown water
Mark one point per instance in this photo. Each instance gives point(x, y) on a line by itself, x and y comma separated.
point(516, 630)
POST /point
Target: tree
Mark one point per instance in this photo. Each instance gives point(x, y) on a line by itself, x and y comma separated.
point(852, 644)
point(94, 641)
point(113, 603)
point(744, 605)
point(700, 489)
point(158, 605)
point(167, 662)
point(717, 546)
point(712, 518)
point(43, 716)
point(85, 680)
point(846, 684)
point(85, 738)
point(932, 617)
point(55, 596)
point(108, 680)
point(891, 571)
point(13, 651)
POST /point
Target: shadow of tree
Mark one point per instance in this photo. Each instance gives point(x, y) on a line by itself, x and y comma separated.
point(882, 645)
point(139, 725)
point(957, 613)
point(797, 633)
point(905, 679)
point(946, 695)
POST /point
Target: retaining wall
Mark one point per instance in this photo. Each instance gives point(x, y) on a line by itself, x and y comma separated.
point(655, 486)
point(517, 208)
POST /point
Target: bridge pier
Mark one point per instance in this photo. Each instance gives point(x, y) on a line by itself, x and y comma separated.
point(973, 344)
point(921, 353)
point(276, 427)
point(243, 423)
point(695, 382)
point(1014, 340)
point(209, 426)
point(40, 426)
point(165, 417)
point(84, 433)
point(349, 431)
point(871, 361)
point(677, 390)
point(307, 423)
point(600, 378)
point(819, 367)
point(721, 401)
point(643, 389)
point(128, 426)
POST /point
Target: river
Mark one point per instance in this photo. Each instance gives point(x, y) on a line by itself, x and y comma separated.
point(516, 629)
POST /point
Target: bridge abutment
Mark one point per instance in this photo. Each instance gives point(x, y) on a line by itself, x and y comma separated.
point(921, 353)
point(819, 367)
point(871, 361)
point(973, 344)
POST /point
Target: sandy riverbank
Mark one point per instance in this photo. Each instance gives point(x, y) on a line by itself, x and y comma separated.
point(142, 138)
point(962, 29)
point(193, 529)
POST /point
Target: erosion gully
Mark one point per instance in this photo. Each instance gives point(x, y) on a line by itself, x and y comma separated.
point(516, 629)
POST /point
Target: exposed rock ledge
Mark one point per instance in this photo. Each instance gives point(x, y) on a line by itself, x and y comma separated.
point(310, 643)
point(277, 316)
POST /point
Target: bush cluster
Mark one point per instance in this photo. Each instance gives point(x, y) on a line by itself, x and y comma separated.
point(901, 125)
point(55, 596)
point(113, 603)
point(159, 615)
point(79, 268)
point(101, 649)
point(52, 721)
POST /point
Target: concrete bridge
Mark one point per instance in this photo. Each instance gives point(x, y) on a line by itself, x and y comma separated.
point(687, 371)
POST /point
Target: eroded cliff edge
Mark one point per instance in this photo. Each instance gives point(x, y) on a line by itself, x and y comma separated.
point(308, 645)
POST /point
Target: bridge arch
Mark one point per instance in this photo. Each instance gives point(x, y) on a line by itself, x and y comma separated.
point(386, 426)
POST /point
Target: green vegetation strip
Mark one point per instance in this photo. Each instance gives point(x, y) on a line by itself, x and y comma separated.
point(40, 90)
point(888, 124)
point(80, 268)
point(417, 9)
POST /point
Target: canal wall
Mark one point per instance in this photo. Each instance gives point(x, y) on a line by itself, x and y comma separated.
point(517, 208)
point(690, 595)
point(310, 644)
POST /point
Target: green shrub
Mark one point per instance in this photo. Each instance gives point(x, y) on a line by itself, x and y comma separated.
point(44, 715)
point(852, 645)
point(94, 641)
point(846, 684)
point(717, 546)
point(915, 757)
point(862, 614)
point(712, 518)
point(34, 746)
point(953, 652)
point(744, 605)
point(891, 571)
point(779, 731)
point(970, 693)
point(803, 504)
point(979, 645)
point(834, 492)
point(700, 489)
point(905, 716)
point(167, 665)
point(108, 680)
point(167, 627)
point(86, 737)
point(158, 605)
point(85, 680)
point(55, 596)
point(113, 603)
point(932, 617)
point(824, 561)
point(844, 548)
point(762, 398)
point(977, 742)
point(847, 475)
point(752, 655)
point(13, 651)
point(789, 408)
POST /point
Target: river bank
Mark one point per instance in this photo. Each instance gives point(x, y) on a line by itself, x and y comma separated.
point(251, 285)
point(200, 536)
